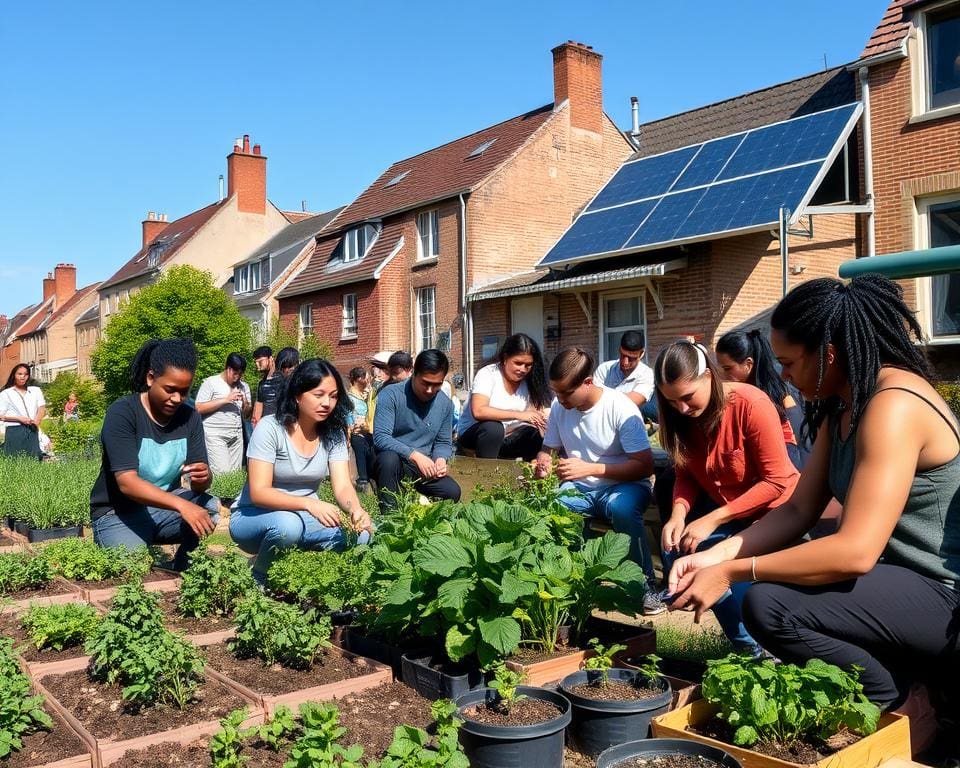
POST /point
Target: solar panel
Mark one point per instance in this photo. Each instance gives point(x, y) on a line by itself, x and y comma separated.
point(723, 186)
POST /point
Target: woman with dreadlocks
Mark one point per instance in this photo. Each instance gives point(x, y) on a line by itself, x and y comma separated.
point(881, 592)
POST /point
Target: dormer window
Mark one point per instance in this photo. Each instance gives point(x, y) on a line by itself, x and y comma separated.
point(357, 241)
point(153, 255)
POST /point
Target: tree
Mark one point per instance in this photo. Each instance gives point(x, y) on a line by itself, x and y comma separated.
point(88, 391)
point(286, 333)
point(183, 302)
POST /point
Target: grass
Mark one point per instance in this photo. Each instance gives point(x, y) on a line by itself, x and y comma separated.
point(691, 644)
point(47, 494)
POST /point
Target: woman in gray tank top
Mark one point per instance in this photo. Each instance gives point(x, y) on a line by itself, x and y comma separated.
point(881, 592)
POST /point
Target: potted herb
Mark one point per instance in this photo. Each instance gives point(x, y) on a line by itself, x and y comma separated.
point(49, 499)
point(513, 724)
point(611, 705)
point(768, 714)
point(665, 753)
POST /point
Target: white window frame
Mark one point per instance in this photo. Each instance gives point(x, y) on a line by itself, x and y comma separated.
point(106, 305)
point(431, 221)
point(640, 294)
point(351, 242)
point(116, 301)
point(919, 52)
point(925, 284)
point(349, 325)
point(305, 327)
point(253, 280)
point(420, 296)
point(243, 279)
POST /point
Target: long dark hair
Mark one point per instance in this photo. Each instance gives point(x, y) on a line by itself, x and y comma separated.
point(13, 374)
point(686, 361)
point(537, 387)
point(159, 354)
point(868, 323)
point(739, 345)
point(288, 357)
point(307, 376)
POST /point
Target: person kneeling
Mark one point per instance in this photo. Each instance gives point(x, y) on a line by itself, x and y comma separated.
point(151, 439)
point(289, 455)
point(608, 457)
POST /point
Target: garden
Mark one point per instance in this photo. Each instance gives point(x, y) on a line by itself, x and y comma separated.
point(486, 633)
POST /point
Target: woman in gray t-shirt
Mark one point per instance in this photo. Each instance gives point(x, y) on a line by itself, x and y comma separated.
point(289, 455)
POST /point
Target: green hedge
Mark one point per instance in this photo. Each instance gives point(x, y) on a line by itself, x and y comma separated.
point(80, 439)
point(950, 391)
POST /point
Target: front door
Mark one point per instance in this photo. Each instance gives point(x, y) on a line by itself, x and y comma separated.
point(527, 317)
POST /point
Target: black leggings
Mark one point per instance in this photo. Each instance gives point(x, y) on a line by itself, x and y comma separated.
point(896, 624)
point(490, 441)
point(362, 444)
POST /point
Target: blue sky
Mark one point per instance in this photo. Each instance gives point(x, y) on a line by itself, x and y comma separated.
point(112, 109)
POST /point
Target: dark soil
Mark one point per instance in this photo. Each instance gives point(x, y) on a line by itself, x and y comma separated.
point(668, 761)
point(524, 712)
point(46, 746)
point(10, 627)
point(192, 626)
point(371, 716)
point(534, 655)
point(53, 587)
point(102, 711)
point(274, 680)
point(196, 754)
point(107, 583)
point(801, 752)
point(615, 690)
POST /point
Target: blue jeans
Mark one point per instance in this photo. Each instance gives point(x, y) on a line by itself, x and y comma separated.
point(728, 609)
point(152, 525)
point(267, 532)
point(623, 506)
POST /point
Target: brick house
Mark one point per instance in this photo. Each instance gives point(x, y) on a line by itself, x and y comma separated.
point(9, 339)
point(909, 75)
point(260, 276)
point(87, 330)
point(210, 238)
point(689, 286)
point(393, 269)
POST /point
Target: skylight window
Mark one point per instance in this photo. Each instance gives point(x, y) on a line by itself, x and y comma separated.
point(482, 148)
point(396, 179)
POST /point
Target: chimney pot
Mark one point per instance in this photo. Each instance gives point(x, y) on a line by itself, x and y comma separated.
point(152, 226)
point(256, 149)
point(151, 216)
point(247, 178)
point(237, 145)
point(246, 143)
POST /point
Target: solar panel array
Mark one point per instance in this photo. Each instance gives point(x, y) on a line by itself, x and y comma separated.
point(734, 183)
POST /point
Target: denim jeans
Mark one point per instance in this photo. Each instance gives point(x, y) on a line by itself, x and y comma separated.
point(623, 505)
point(267, 532)
point(152, 525)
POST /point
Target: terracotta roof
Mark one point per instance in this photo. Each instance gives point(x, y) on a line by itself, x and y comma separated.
point(294, 216)
point(444, 171)
point(19, 319)
point(174, 236)
point(325, 270)
point(891, 30)
point(49, 318)
point(802, 96)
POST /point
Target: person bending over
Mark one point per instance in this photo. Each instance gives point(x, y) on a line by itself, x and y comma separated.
point(290, 454)
point(152, 445)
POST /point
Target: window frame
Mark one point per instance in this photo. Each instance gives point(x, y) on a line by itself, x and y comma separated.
point(418, 315)
point(639, 293)
point(302, 327)
point(242, 279)
point(433, 233)
point(925, 284)
point(347, 331)
point(352, 235)
point(923, 108)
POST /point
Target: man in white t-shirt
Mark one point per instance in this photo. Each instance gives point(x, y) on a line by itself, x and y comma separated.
point(224, 401)
point(607, 456)
point(629, 374)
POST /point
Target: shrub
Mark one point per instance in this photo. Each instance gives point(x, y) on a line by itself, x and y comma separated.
point(333, 581)
point(228, 485)
point(278, 633)
point(950, 391)
point(20, 570)
point(214, 584)
point(75, 439)
point(60, 626)
point(47, 494)
point(20, 713)
point(88, 390)
point(84, 560)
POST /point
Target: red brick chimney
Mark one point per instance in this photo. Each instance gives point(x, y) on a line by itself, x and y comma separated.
point(153, 225)
point(49, 286)
point(577, 78)
point(247, 177)
point(65, 283)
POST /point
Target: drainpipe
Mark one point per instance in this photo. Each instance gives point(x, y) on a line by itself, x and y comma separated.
point(868, 159)
point(465, 308)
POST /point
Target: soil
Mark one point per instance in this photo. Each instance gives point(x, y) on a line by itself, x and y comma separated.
point(371, 716)
point(46, 746)
point(669, 761)
point(801, 752)
point(192, 626)
point(275, 680)
point(10, 627)
point(572, 759)
point(535, 655)
point(53, 587)
point(523, 712)
point(107, 583)
point(196, 754)
point(616, 690)
point(103, 712)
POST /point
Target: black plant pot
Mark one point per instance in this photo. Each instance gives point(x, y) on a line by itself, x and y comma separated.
point(516, 746)
point(600, 724)
point(380, 650)
point(420, 672)
point(48, 534)
point(615, 757)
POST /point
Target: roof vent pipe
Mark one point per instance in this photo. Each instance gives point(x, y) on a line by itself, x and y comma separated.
point(220, 196)
point(635, 114)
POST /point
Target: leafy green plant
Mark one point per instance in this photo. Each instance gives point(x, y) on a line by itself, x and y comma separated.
point(413, 748)
point(75, 439)
point(213, 584)
point(229, 484)
point(950, 392)
point(602, 660)
point(763, 701)
point(328, 580)
point(20, 712)
point(84, 560)
point(47, 494)
point(648, 666)
point(279, 633)
point(21, 570)
point(505, 682)
point(60, 626)
point(318, 745)
point(276, 731)
point(226, 744)
point(88, 391)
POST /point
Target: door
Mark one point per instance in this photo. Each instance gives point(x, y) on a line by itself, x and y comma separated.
point(527, 317)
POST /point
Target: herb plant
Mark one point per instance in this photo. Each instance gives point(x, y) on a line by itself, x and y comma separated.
point(21, 570)
point(602, 661)
point(47, 494)
point(505, 682)
point(84, 560)
point(20, 712)
point(276, 731)
point(318, 745)
point(226, 744)
point(214, 584)
point(228, 485)
point(413, 747)
point(768, 702)
point(323, 579)
point(279, 633)
point(60, 626)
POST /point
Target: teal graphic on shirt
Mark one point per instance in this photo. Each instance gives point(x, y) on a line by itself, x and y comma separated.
point(160, 462)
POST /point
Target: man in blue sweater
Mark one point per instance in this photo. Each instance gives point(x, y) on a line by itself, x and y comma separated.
point(411, 433)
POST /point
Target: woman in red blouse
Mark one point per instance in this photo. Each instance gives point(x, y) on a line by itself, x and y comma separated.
point(730, 460)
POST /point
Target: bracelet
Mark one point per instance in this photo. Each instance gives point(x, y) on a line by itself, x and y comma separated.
point(753, 568)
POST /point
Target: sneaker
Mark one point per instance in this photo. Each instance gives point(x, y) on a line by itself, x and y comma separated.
point(652, 604)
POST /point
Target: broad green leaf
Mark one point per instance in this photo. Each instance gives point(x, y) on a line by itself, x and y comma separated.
point(453, 593)
point(459, 643)
point(512, 589)
point(502, 633)
point(441, 555)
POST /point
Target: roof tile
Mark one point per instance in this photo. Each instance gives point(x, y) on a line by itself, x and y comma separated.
point(891, 30)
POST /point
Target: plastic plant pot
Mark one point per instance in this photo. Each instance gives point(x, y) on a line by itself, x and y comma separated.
point(619, 755)
point(419, 671)
point(48, 534)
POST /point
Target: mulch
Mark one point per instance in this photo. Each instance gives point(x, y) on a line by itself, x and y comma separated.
point(10, 627)
point(188, 624)
point(103, 712)
point(616, 690)
point(45, 747)
point(371, 716)
point(51, 588)
point(6, 541)
point(274, 679)
point(523, 712)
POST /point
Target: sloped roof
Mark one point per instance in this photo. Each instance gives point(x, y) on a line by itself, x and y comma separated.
point(90, 315)
point(18, 320)
point(323, 271)
point(35, 321)
point(48, 318)
point(803, 96)
point(292, 234)
point(176, 234)
point(891, 30)
point(444, 171)
point(295, 216)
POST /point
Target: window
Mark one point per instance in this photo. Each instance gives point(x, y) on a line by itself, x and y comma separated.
point(943, 228)
point(265, 272)
point(349, 327)
point(396, 179)
point(105, 305)
point(357, 241)
point(116, 302)
point(254, 277)
point(306, 320)
point(428, 235)
point(618, 314)
point(426, 318)
point(241, 279)
point(941, 36)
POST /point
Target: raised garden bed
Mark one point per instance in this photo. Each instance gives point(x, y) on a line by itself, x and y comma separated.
point(60, 747)
point(155, 580)
point(11, 626)
point(191, 625)
point(55, 591)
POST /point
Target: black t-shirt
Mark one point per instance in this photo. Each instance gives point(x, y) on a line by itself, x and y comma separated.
point(267, 393)
point(132, 440)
